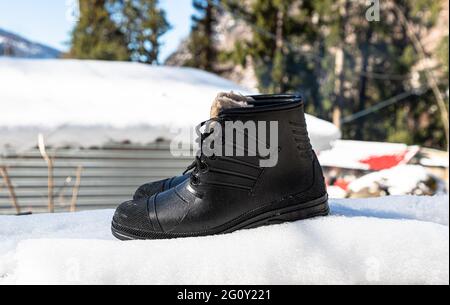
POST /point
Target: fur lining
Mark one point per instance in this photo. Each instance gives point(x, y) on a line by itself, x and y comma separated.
point(229, 100)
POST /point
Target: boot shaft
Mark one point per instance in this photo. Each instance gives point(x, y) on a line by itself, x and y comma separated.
point(288, 165)
point(280, 126)
point(258, 131)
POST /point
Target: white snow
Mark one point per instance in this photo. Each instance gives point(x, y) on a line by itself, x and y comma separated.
point(350, 154)
point(60, 97)
point(391, 240)
point(434, 209)
point(400, 180)
point(435, 162)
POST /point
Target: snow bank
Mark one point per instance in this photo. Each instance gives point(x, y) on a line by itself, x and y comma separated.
point(402, 179)
point(62, 96)
point(393, 240)
point(422, 208)
point(363, 155)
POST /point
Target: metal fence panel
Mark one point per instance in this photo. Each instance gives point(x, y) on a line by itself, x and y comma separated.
point(110, 175)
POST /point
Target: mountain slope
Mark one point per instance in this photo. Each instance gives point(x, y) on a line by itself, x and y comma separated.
point(13, 45)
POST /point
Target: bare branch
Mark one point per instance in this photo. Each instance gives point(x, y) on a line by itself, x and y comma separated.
point(12, 193)
point(76, 187)
point(49, 161)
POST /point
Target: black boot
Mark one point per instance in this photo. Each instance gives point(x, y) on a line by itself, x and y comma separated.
point(152, 188)
point(149, 189)
point(225, 194)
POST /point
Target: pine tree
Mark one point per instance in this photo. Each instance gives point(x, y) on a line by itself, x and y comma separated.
point(128, 30)
point(143, 23)
point(278, 27)
point(268, 51)
point(96, 36)
point(202, 41)
point(298, 45)
point(379, 63)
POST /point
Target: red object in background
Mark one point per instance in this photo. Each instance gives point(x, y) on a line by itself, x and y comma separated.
point(378, 163)
point(342, 183)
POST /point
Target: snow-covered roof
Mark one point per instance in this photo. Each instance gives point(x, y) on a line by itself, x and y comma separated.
point(363, 155)
point(106, 99)
point(400, 180)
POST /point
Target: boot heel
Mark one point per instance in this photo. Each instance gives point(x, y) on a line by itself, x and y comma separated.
point(301, 211)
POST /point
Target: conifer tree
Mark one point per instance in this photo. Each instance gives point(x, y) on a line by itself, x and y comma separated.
point(379, 61)
point(279, 29)
point(143, 23)
point(128, 30)
point(358, 63)
point(96, 36)
point(202, 41)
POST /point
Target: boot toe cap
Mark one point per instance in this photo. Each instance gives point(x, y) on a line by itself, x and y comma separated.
point(132, 216)
point(149, 189)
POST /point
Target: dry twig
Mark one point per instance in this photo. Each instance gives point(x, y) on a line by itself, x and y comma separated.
point(12, 193)
point(76, 188)
point(49, 160)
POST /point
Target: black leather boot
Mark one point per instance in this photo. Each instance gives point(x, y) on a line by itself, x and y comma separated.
point(225, 194)
point(149, 189)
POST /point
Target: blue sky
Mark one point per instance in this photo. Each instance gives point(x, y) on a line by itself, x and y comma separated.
point(46, 21)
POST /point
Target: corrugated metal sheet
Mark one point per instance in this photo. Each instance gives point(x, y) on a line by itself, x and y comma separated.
point(110, 175)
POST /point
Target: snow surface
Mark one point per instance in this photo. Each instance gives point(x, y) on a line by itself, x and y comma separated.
point(435, 162)
point(400, 180)
point(350, 154)
point(391, 240)
point(61, 97)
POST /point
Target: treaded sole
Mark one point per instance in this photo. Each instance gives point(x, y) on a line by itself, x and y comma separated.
point(311, 209)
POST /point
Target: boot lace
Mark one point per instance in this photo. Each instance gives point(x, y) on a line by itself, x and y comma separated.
point(199, 165)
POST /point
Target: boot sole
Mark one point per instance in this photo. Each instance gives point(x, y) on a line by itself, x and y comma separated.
point(311, 209)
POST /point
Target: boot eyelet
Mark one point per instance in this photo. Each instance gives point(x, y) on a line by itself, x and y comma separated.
point(195, 181)
point(204, 168)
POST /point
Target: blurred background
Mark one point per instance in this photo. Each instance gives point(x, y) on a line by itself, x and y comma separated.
point(92, 92)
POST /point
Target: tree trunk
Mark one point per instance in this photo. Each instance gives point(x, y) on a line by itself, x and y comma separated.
point(339, 68)
point(362, 97)
point(338, 87)
point(279, 45)
point(431, 79)
point(209, 32)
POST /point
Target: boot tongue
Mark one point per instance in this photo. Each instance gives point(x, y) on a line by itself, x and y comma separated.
point(227, 101)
